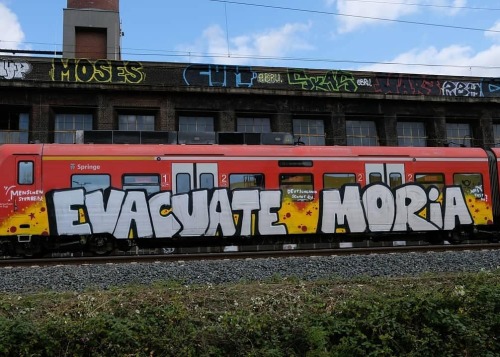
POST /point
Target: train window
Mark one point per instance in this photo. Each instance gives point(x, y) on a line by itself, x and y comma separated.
point(472, 184)
point(430, 179)
point(297, 187)
point(374, 177)
point(90, 182)
point(246, 181)
point(183, 183)
point(338, 180)
point(150, 183)
point(207, 181)
point(25, 170)
point(395, 179)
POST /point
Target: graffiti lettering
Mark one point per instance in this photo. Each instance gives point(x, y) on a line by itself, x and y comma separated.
point(220, 212)
point(462, 89)
point(14, 70)
point(332, 81)
point(23, 195)
point(384, 210)
point(219, 76)
point(128, 214)
point(406, 85)
point(100, 71)
point(270, 78)
point(364, 82)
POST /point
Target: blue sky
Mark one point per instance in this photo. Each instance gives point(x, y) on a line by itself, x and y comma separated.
point(449, 37)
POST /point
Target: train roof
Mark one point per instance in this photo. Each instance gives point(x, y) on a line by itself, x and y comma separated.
point(301, 151)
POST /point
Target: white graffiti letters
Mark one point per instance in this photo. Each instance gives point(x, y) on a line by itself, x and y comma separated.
point(378, 209)
point(246, 212)
point(127, 214)
point(14, 70)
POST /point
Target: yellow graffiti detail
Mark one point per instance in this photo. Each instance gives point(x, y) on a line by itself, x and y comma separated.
point(479, 209)
point(31, 220)
point(299, 217)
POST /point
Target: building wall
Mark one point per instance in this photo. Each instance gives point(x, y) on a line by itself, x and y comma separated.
point(105, 89)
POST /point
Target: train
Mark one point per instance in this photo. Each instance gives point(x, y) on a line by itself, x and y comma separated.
point(99, 198)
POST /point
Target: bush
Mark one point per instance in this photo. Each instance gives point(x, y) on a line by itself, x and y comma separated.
point(431, 315)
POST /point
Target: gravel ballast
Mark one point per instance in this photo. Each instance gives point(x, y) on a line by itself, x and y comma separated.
point(105, 276)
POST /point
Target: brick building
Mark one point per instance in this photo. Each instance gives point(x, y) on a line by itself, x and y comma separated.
point(89, 94)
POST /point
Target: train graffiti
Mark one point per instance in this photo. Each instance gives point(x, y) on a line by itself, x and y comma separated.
point(132, 214)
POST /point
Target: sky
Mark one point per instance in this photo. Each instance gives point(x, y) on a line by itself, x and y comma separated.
point(444, 37)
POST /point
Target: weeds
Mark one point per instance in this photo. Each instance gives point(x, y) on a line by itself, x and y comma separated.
point(456, 315)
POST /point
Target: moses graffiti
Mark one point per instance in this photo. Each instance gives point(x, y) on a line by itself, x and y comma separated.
point(100, 71)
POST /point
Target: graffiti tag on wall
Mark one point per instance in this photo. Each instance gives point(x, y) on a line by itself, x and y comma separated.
point(243, 212)
point(219, 76)
point(14, 69)
point(462, 89)
point(331, 81)
point(406, 85)
point(99, 71)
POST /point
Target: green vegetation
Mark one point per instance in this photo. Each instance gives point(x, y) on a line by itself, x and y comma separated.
point(453, 315)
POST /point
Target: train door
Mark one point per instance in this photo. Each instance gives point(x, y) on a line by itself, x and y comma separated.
point(192, 176)
point(392, 175)
point(379, 206)
point(25, 195)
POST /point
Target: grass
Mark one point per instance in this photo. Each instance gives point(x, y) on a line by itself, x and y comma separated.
point(445, 315)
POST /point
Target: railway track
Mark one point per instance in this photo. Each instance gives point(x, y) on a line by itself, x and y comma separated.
point(151, 258)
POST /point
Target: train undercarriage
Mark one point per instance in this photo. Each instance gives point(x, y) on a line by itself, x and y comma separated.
point(104, 244)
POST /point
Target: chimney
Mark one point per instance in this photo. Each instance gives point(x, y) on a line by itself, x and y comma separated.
point(109, 5)
point(92, 29)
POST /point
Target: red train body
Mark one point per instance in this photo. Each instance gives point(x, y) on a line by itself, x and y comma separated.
point(103, 196)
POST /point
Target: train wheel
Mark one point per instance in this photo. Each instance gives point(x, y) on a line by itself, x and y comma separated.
point(455, 237)
point(102, 245)
point(31, 249)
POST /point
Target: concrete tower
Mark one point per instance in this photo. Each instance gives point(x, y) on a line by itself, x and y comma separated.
point(92, 29)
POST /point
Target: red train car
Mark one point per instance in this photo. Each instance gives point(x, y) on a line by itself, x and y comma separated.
point(103, 196)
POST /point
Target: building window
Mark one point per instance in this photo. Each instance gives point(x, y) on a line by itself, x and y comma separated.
point(458, 134)
point(196, 124)
point(361, 133)
point(411, 134)
point(309, 131)
point(66, 125)
point(133, 122)
point(14, 128)
point(253, 125)
point(496, 135)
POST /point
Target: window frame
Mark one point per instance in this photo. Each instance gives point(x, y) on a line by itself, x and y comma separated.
point(141, 185)
point(243, 175)
point(98, 186)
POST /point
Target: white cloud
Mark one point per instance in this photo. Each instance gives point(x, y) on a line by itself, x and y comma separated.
point(361, 13)
point(280, 42)
point(391, 9)
point(496, 34)
point(11, 33)
point(452, 60)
